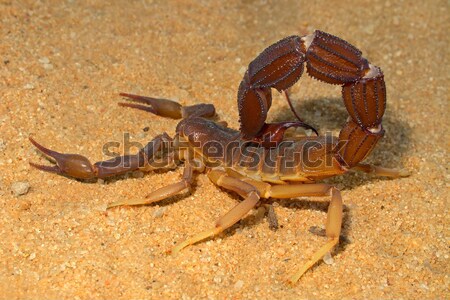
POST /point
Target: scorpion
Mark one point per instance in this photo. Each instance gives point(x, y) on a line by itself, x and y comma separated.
point(257, 162)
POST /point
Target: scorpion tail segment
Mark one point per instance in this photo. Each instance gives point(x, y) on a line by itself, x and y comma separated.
point(279, 66)
point(73, 165)
point(365, 99)
point(253, 105)
point(355, 143)
point(161, 107)
point(333, 60)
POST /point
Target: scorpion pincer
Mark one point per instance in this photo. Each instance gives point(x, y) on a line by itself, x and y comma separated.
point(243, 161)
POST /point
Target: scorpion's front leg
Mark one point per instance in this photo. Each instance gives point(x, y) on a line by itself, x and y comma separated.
point(166, 191)
point(78, 166)
point(334, 217)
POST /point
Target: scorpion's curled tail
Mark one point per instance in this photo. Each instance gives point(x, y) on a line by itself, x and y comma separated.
point(328, 59)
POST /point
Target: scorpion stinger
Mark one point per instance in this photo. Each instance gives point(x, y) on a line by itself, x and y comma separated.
point(304, 125)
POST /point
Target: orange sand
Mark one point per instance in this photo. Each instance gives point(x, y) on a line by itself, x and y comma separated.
point(62, 67)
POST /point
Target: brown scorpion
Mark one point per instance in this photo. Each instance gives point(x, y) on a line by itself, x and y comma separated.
point(257, 162)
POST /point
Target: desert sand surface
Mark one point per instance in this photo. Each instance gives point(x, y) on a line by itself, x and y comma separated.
point(63, 64)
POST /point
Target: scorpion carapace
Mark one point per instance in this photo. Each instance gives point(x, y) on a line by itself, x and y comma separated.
point(288, 170)
point(328, 59)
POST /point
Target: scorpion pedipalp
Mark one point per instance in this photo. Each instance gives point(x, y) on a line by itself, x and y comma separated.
point(78, 166)
point(73, 165)
point(157, 106)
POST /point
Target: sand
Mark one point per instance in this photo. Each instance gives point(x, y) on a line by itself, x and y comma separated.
point(62, 67)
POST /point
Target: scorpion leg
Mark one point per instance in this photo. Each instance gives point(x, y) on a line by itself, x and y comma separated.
point(297, 190)
point(78, 166)
point(381, 171)
point(251, 199)
point(164, 192)
point(272, 217)
point(333, 223)
point(334, 216)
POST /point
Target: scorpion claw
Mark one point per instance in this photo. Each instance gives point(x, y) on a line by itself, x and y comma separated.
point(51, 169)
point(138, 106)
point(73, 165)
point(160, 107)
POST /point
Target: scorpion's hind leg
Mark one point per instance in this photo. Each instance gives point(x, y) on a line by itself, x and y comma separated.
point(334, 216)
point(381, 171)
point(333, 230)
point(251, 199)
point(78, 166)
point(167, 108)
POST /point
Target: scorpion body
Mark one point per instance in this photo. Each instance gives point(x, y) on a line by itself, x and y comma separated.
point(257, 162)
point(304, 160)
